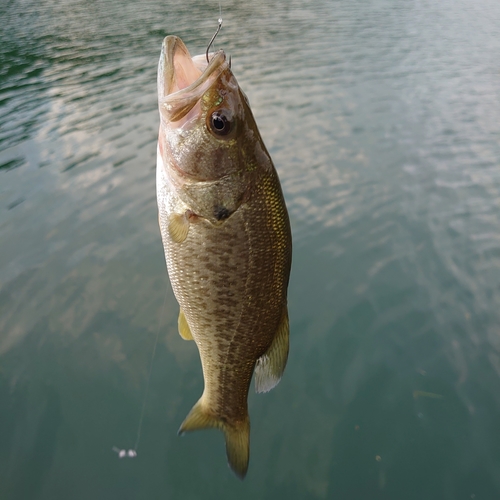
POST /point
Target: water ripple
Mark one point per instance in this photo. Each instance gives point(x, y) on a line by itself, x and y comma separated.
point(383, 120)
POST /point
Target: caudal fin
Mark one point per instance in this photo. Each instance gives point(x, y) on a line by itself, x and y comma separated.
point(237, 435)
point(238, 447)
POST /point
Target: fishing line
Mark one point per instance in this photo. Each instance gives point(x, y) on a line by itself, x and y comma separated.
point(132, 452)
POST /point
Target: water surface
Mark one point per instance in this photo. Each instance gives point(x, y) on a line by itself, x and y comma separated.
point(383, 120)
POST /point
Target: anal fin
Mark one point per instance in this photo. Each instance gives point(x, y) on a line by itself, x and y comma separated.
point(270, 366)
point(184, 330)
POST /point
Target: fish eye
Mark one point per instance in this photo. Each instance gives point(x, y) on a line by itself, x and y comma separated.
point(219, 123)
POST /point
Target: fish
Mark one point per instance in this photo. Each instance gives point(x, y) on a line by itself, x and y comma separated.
point(227, 239)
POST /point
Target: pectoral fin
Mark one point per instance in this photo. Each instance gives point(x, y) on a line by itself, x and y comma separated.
point(184, 330)
point(178, 227)
point(270, 367)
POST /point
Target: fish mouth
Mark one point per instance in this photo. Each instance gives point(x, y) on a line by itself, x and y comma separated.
point(182, 79)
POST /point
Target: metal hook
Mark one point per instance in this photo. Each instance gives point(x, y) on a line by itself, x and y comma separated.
point(213, 38)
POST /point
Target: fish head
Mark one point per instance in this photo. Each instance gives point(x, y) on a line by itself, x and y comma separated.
point(207, 129)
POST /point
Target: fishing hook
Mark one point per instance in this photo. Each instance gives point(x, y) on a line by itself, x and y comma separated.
point(213, 38)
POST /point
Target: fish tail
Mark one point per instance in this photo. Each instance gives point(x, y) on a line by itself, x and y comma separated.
point(237, 435)
point(238, 446)
point(199, 418)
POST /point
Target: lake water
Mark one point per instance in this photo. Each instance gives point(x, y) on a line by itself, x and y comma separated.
point(383, 120)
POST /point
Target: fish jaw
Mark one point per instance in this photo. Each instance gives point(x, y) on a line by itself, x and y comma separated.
point(182, 80)
point(176, 70)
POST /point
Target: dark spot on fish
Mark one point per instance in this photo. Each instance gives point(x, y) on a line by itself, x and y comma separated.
point(221, 213)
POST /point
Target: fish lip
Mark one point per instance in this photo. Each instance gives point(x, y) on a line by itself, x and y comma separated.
point(188, 96)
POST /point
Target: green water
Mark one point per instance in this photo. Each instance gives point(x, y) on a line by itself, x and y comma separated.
point(383, 120)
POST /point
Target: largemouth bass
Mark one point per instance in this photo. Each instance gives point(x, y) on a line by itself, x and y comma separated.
point(227, 239)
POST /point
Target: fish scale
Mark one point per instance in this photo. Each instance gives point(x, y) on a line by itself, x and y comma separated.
point(227, 239)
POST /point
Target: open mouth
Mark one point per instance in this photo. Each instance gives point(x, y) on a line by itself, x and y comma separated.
point(183, 79)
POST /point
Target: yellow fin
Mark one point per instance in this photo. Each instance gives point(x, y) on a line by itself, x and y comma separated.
point(184, 330)
point(238, 447)
point(237, 436)
point(178, 227)
point(270, 367)
point(199, 418)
